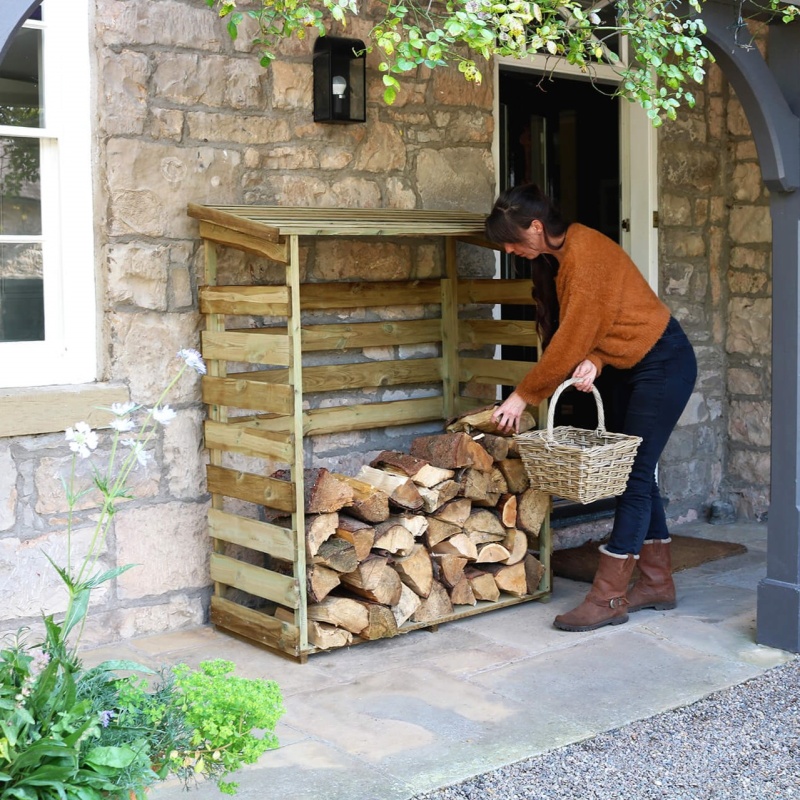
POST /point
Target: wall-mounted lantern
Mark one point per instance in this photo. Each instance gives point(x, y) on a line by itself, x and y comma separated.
point(340, 80)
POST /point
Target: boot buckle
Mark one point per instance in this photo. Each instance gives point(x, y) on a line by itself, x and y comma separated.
point(617, 602)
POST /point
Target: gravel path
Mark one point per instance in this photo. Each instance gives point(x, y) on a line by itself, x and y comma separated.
point(741, 743)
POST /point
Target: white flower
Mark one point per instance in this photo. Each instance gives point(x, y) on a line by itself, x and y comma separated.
point(142, 456)
point(122, 409)
point(164, 415)
point(122, 425)
point(193, 359)
point(82, 439)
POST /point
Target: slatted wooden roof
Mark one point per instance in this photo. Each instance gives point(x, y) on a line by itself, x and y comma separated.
point(274, 222)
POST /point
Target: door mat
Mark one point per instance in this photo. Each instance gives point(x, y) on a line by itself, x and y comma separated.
point(580, 563)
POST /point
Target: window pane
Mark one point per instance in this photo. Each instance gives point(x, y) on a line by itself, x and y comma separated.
point(20, 187)
point(20, 84)
point(21, 293)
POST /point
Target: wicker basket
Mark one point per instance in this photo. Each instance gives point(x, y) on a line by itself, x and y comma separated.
point(575, 463)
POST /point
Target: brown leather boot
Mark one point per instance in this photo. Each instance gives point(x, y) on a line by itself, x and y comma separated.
point(606, 603)
point(654, 587)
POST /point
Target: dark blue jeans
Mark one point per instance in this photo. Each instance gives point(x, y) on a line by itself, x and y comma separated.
point(648, 400)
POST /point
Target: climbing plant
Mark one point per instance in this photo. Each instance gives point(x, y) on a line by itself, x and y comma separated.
point(666, 55)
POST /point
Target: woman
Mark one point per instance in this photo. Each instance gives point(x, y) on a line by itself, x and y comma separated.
point(595, 311)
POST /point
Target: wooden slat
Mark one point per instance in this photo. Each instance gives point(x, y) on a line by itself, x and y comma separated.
point(259, 346)
point(255, 580)
point(255, 625)
point(370, 334)
point(250, 533)
point(372, 415)
point(256, 245)
point(511, 291)
point(240, 392)
point(276, 423)
point(260, 301)
point(474, 332)
point(340, 295)
point(334, 377)
point(233, 220)
point(248, 440)
point(252, 488)
point(493, 371)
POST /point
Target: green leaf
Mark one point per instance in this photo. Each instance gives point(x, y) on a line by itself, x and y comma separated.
point(117, 757)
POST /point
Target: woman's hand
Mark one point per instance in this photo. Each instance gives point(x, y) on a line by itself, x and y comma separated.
point(585, 373)
point(507, 415)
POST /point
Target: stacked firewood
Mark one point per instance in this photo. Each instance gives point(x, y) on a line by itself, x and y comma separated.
point(413, 535)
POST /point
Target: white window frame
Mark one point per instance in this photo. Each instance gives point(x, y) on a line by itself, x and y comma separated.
point(68, 354)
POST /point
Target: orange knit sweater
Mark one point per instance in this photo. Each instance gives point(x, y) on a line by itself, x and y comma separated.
point(608, 313)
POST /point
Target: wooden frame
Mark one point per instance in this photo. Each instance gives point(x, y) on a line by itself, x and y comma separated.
point(269, 420)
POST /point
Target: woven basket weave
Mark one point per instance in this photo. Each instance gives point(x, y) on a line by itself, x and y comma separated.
point(576, 463)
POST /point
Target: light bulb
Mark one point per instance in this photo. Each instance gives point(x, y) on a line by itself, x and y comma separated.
point(339, 85)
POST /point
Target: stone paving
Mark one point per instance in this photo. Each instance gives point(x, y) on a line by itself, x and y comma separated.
point(390, 719)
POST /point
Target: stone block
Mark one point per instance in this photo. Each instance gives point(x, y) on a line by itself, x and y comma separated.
point(749, 326)
point(684, 243)
point(456, 179)
point(750, 224)
point(748, 283)
point(294, 156)
point(746, 183)
point(303, 190)
point(166, 123)
point(749, 422)
point(190, 79)
point(184, 464)
point(745, 381)
point(123, 83)
point(400, 195)
point(143, 353)
point(674, 209)
point(138, 275)
point(340, 259)
point(236, 129)
point(29, 586)
point(697, 168)
point(383, 149)
point(695, 411)
point(8, 489)
point(149, 185)
point(291, 85)
point(168, 543)
point(749, 468)
point(180, 289)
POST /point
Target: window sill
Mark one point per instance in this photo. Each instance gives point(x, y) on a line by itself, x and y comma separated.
point(24, 412)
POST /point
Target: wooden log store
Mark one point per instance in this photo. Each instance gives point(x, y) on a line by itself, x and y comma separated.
point(417, 538)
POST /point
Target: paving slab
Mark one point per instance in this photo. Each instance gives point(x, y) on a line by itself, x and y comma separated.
point(391, 719)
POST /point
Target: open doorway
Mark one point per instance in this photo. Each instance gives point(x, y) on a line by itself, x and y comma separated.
point(563, 135)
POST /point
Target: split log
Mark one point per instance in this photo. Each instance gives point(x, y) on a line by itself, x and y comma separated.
point(393, 538)
point(513, 470)
point(516, 542)
point(509, 578)
point(321, 581)
point(439, 530)
point(407, 606)
point(477, 485)
point(325, 491)
point(451, 451)
point(326, 637)
point(417, 524)
point(400, 488)
point(507, 508)
point(449, 568)
point(381, 621)
point(319, 528)
point(534, 572)
point(374, 579)
point(337, 554)
point(436, 496)
point(480, 419)
point(484, 526)
point(456, 511)
point(461, 594)
point(435, 606)
point(368, 504)
point(341, 611)
point(493, 552)
point(416, 570)
point(532, 508)
point(459, 545)
point(360, 534)
point(495, 446)
point(483, 585)
point(428, 476)
point(399, 463)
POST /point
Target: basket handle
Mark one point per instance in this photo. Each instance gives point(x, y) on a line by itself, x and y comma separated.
point(551, 411)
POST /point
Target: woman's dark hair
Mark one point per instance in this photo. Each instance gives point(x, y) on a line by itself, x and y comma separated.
point(512, 214)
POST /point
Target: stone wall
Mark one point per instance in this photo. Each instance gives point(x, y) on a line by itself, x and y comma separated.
point(185, 115)
point(716, 276)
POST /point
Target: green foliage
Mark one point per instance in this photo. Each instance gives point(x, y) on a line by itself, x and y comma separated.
point(666, 52)
point(70, 733)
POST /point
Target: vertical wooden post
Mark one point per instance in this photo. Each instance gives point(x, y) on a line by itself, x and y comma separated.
point(294, 328)
point(450, 330)
point(216, 369)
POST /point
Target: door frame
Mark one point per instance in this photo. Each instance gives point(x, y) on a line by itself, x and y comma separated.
point(638, 164)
